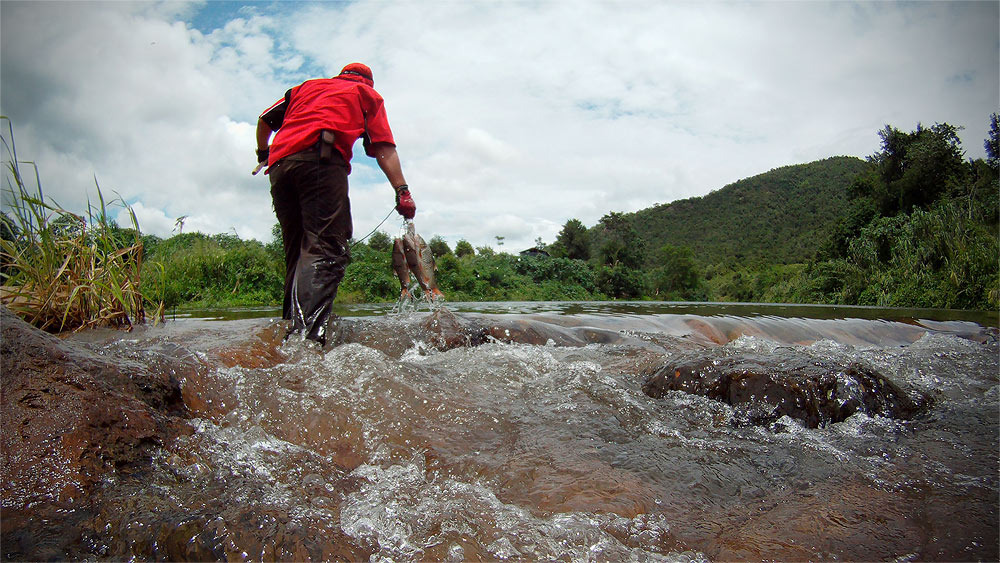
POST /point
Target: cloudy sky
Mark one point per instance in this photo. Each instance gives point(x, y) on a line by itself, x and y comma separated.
point(510, 117)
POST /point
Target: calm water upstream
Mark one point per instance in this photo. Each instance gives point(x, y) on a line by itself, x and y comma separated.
point(533, 440)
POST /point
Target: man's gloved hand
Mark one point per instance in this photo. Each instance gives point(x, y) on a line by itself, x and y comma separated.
point(262, 155)
point(404, 202)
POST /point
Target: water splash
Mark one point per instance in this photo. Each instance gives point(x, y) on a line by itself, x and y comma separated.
point(415, 299)
point(406, 512)
point(541, 445)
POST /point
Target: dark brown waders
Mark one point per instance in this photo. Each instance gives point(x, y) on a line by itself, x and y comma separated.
point(311, 202)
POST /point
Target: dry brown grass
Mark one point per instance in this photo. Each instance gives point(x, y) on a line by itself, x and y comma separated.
point(62, 271)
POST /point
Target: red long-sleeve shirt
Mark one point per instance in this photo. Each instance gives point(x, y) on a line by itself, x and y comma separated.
point(343, 104)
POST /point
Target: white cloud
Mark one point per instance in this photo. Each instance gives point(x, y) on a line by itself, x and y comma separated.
point(151, 220)
point(511, 118)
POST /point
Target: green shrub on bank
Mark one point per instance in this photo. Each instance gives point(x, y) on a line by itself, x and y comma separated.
point(369, 277)
point(195, 269)
point(930, 258)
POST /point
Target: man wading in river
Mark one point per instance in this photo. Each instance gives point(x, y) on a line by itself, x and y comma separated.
point(317, 123)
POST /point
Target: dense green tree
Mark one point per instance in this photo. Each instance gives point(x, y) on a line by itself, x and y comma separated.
point(859, 212)
point(929, 258)
point(920, 231)
point(676, 275)
point(454, 275)
point(982, 198)
point(619, 281)
point(150, 243)
point(556, 250)
point(572, 242)
point(227, 240)
point(913, 170)
point(439, 247)
point(463, 248)
point(380, 242)
point(622, 244)
point(68, 226)
point(563, 271)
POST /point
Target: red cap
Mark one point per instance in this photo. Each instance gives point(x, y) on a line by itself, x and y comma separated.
point(361, 70)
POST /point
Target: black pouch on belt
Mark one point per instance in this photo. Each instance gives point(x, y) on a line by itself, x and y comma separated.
point(326, 139)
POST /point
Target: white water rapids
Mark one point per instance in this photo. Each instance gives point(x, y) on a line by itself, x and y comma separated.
point(539, 444)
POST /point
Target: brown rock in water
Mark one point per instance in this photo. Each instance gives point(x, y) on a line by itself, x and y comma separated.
point(444, 330)
point(69, 417)
point(448, 331)
point(764, 388)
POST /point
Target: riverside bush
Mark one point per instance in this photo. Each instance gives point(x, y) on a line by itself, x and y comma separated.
point(200, 270)
point(62, 271)
point(369, 278)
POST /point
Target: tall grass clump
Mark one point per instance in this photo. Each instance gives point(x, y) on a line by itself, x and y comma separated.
point(63, 271)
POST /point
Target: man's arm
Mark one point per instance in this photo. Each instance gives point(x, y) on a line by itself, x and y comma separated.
point(263, 134)
point(388, 160)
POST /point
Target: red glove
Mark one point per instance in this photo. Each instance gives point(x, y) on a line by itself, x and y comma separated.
point(404, 202)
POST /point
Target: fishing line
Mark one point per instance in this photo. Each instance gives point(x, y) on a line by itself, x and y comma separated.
point(373, 230)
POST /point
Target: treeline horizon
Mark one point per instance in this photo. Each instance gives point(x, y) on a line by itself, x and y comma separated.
point(913, 225)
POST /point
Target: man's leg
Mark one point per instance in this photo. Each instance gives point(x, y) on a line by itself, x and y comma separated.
point(324, 251)
point(285, 198)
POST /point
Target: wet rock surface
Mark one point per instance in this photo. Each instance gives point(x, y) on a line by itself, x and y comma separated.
point(443, 330)
point(69, 417)
point(462, 436)
point(764, 388)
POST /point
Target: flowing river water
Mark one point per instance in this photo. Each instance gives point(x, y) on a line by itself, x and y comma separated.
point(530, 438)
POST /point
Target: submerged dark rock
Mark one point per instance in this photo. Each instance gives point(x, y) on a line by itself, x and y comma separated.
point(70, 417)
point(764, 388)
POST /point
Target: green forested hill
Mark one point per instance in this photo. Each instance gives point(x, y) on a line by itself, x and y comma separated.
point(781, 216)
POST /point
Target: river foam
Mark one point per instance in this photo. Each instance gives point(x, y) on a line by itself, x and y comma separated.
point(527, 436)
